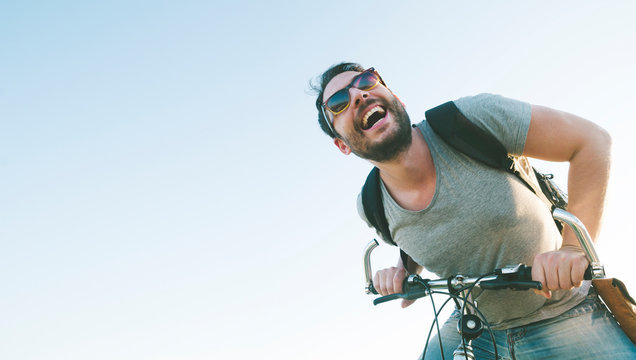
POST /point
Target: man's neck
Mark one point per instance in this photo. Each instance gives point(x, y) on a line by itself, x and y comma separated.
point(412, 169)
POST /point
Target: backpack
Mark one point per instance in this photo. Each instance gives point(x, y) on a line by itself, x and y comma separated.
point(459, 132)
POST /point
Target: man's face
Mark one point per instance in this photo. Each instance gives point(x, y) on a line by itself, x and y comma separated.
point(375, 126)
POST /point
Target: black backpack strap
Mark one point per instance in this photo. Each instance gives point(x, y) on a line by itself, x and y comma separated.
point(462, 134)
point(452, 126)
point(374, 209)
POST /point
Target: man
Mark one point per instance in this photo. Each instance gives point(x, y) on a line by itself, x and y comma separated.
point(452, 214)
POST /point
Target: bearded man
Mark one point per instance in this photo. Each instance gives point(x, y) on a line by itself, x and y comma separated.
point(452, 214)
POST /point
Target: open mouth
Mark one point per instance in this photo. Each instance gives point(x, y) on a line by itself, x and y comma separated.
point(372, 116)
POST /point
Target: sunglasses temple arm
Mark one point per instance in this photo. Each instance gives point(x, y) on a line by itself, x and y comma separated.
point(329, 125)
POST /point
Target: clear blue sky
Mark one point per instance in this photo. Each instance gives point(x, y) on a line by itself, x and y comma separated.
point(167, 193)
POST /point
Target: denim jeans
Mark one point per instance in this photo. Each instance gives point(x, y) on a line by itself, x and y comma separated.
point(587, 331)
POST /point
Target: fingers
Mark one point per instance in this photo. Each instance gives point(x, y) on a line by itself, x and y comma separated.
point(538, 274)
point(559, 270)
point(398, 277)
point(578, 271)
point(564, 274)
point(389, 281)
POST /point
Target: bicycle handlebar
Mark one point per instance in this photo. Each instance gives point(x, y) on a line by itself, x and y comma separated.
point(515, 276)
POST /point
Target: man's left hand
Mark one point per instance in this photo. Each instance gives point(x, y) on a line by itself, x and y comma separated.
point(559, 270)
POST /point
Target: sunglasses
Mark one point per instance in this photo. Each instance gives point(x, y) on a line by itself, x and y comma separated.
point(340, 100)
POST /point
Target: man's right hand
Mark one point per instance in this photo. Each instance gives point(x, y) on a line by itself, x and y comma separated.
point(389, 281)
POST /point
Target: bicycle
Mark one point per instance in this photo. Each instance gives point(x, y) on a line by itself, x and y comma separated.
point(459, 288)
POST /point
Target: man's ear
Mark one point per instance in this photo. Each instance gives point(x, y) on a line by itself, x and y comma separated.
point(344, 148)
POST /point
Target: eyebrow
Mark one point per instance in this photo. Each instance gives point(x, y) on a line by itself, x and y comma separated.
point(342, 88)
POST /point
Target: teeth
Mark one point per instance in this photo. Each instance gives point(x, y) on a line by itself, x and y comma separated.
point(365, 118)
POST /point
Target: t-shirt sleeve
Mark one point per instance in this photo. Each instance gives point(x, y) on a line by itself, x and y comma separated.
point(507, 119)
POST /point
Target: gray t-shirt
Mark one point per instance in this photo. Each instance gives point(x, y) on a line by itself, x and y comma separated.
point(482, 218)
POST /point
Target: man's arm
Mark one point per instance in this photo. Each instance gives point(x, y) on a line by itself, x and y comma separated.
point(558, 136)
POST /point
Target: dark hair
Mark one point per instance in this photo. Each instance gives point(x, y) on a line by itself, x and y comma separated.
point(319, 88)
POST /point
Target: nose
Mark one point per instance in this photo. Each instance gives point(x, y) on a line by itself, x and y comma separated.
point(357, 96)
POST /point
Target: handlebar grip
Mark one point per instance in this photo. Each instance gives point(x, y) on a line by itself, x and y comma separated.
point(405, 287)
point(509, 284)
point(527, 273)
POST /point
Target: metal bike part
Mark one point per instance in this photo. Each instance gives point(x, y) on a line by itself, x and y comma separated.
point(456, 282)
point(470, 328)
point(598, 271)
point(464, 352)
point(510, 269)
point(368, 273)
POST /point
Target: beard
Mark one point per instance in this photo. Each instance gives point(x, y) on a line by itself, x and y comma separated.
point(392, 145)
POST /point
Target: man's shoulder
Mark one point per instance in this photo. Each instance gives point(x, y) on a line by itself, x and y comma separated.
point(485, 100)
point(505, 118)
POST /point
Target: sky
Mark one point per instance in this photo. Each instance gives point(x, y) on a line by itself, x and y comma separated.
point(168, 194)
